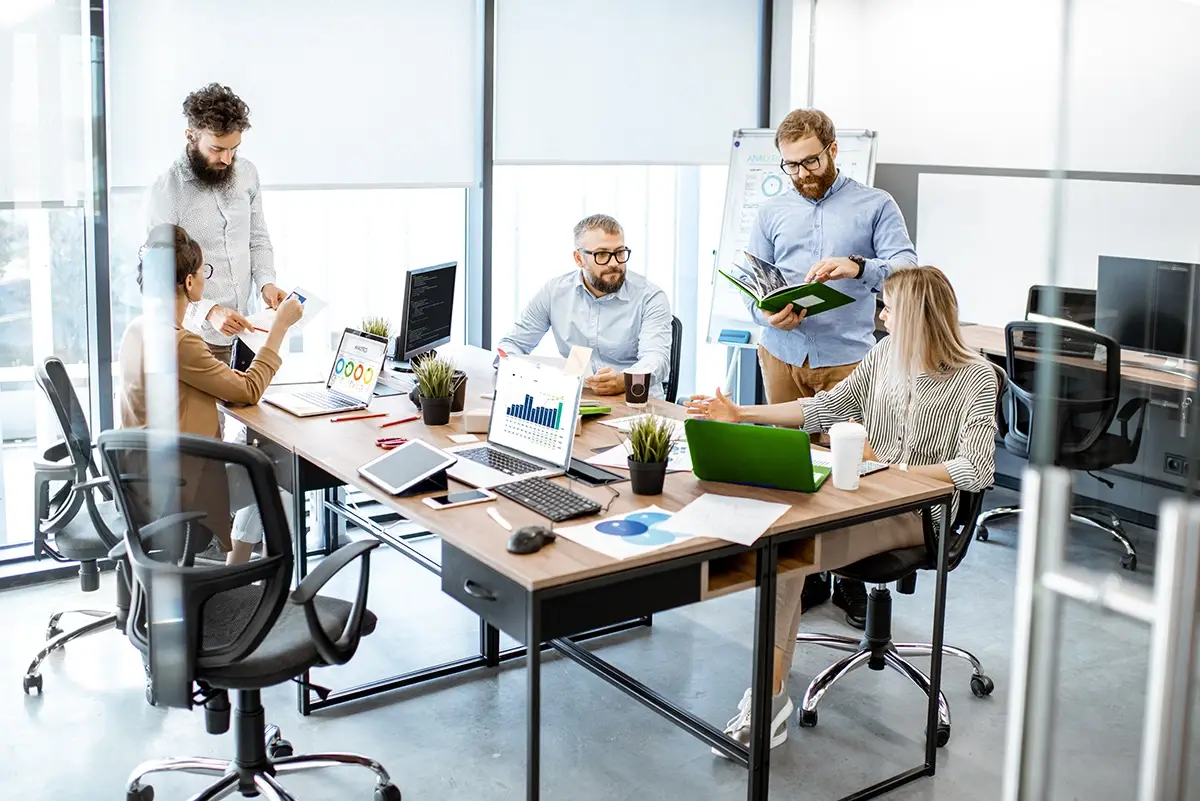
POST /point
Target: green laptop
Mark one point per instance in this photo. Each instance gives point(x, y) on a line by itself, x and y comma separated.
point(761, 456)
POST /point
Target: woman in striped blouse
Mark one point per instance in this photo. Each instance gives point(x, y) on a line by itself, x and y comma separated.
point(928, 404)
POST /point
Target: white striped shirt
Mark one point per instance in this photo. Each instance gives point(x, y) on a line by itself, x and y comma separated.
point(951, 417)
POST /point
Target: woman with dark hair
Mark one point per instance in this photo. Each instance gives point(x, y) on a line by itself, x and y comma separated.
point(172, 268)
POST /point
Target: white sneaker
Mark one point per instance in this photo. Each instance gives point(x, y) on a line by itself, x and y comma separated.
point(739, 726)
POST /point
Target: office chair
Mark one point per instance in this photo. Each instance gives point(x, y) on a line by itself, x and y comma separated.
point(210, 630)
point(1086, 402)
point(875, 648)
point(59, 531)
point(671, 387)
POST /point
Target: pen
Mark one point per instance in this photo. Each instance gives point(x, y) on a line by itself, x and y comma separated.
point(263, 330)
point(357, 417)
point(499, 518)
point(401, 420)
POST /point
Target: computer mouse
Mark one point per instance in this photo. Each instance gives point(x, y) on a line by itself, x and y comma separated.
point(530, 539)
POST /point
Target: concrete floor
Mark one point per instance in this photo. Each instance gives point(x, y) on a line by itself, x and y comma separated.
point(464, 738)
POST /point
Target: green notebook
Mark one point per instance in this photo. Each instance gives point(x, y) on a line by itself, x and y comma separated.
point(765, 283)
point(589, 411)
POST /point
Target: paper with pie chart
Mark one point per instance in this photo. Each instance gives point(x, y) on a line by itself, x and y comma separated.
point(628, 535)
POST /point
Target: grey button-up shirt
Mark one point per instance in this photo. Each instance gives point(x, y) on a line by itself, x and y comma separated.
point(228, 224)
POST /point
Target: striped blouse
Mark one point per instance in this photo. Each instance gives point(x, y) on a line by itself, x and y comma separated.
point(950, 419)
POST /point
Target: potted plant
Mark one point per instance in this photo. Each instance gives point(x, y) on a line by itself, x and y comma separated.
point(435, 385)
point(650, 442)
point(380, 327)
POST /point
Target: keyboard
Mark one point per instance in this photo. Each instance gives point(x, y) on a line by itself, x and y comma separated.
point(548, 499)
point(326, 399)
point(821, 459)
point(499, 460)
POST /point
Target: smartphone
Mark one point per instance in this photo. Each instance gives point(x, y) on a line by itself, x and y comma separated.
point(464, 498)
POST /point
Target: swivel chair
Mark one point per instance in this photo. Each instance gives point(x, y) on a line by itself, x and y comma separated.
point(671, 386)
point(876, 649)
point(1086, 400)
point(60, 532)
point(210, 630)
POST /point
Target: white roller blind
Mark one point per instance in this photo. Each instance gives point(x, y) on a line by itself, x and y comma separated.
point(373, 92)
point(624, 81)
point(42, 103)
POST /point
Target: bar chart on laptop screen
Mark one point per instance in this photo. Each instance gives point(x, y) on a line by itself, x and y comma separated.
point(537, 419)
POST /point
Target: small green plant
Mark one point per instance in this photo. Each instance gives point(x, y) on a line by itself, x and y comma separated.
point(435, 377)
point(651, 439)
point(379, 326)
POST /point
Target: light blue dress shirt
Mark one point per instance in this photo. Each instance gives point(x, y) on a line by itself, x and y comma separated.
point(631, 326)
point(794, 233)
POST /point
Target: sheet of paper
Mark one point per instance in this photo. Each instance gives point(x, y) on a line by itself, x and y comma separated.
point(626, 424)
point(463, 439)
point(679, 461)
point(579, 361)
point(265, 318)
point(628, 535)
point(740, 520)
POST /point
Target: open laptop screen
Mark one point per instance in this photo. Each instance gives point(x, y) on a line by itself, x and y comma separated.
point(535, 410)
point(357, 364)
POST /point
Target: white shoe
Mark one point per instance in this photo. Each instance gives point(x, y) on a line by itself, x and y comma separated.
point(739, 726)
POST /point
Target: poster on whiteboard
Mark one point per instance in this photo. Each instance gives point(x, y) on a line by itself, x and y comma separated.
point(754, 178)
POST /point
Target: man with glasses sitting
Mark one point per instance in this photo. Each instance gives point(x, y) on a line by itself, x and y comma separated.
point(831, 228)
point(622, 317)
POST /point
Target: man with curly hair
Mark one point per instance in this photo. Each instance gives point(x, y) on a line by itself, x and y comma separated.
point(216, 197)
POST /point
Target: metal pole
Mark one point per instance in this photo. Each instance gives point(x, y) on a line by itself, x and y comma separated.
point(481, 197)
point(812, 53)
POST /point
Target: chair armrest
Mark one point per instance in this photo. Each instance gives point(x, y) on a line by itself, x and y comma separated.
point(56, 457)
point(155, 536)
point(336, 653)
point(94, 483)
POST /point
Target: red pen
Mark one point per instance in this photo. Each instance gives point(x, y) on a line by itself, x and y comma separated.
point(401, 420)
point(263, 330)
point(357, 417)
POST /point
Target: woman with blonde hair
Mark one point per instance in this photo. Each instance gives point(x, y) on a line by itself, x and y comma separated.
point(929, 406)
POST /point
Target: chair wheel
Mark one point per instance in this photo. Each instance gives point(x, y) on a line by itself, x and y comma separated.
point(982, 686)
point(146, 793)
point(808, 719)
point(278, 749)
point(52, 632)
point(388, 792)
point(1129, 561)
point(943, 736)
point(32, 683)
point(981, 534)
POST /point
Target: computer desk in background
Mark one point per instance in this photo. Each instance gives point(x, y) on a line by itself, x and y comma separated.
point(566, 593)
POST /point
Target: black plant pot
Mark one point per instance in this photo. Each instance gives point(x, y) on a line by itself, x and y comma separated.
point(646, 478)
point(435, 411)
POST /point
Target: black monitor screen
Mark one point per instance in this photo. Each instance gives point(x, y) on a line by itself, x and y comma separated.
point(428, 309)
point(1146, 305)
point(1074, 305)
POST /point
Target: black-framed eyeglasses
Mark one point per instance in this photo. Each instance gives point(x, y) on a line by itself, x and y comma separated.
point(811, 163)
point(602, 257)
point(207, 269)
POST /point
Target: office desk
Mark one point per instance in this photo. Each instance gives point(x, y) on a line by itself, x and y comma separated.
point(567, 590)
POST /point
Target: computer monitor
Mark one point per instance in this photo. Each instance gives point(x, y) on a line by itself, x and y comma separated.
point(1075, 307)
point(1147, 305)
point(428, 311)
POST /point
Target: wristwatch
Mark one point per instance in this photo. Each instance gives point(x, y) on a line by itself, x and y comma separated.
point(861, 262)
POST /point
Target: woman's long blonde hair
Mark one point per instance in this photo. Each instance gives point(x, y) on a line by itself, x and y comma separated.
point(923, 317)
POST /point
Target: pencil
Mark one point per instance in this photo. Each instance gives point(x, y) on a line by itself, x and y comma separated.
point(401, 420)
point(357, 417)
point(263, 330)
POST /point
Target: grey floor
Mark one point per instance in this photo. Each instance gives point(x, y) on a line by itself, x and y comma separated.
point(464, 738)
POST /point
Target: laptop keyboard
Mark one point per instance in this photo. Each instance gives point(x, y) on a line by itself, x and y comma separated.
point(498, 460)
point(328, 399)
point(821, 459)
point(549, 499)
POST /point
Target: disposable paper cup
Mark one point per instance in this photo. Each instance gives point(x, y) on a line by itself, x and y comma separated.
point(846, 443)
point(637, 388)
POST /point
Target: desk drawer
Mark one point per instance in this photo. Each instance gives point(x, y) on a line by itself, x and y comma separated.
point(485, 592)
point(280, 456)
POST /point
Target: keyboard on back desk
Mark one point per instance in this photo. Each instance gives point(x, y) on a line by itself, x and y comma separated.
point(498, 460)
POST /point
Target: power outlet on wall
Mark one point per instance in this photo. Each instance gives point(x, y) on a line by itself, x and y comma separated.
point(1175, 464)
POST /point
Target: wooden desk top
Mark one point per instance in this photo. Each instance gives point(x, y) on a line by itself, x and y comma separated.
point(989, 340)
point(341, 448)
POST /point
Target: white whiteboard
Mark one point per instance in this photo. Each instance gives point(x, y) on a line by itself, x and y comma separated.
point(755, 177)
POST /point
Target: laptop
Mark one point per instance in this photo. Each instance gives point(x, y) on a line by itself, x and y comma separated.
point(531, 430)
point(352, 377)
point(760, 456)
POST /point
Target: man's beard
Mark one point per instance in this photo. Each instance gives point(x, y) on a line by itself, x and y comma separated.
point(814, 187)
point(602, 286)
point(206, 174)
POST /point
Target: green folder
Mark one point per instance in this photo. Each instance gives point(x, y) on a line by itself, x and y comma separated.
point(589, 411)
point(815, 297)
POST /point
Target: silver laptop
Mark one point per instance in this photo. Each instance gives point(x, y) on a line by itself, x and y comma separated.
point(531, 431)
point(352, 378)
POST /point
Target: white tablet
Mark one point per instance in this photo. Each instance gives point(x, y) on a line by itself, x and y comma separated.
point(409, 464)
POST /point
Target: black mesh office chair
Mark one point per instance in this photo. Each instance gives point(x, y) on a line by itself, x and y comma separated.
point(209, 630)
point(671, 387)
point(1087, 401)
point(60, 532)
point(875, 648)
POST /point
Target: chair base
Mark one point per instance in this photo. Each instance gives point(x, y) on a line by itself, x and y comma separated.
point(57, 640)
point(1113, 527)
